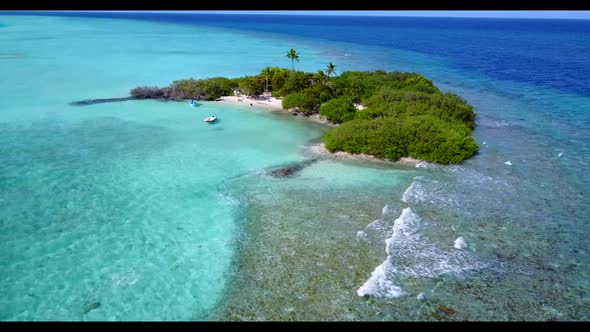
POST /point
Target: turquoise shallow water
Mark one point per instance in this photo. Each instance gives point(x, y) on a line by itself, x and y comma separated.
point(140, 211)
point(118, 204)
point(121, 212)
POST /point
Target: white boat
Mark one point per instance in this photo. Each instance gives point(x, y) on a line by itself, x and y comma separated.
point(210, 118)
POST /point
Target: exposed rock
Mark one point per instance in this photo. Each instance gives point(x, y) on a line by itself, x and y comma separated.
point(291, 169)
point(91, 307)
point(421, 297)
point(100, 101)
point(443, 312)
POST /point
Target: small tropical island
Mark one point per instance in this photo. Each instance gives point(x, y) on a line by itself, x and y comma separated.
point(387, 115)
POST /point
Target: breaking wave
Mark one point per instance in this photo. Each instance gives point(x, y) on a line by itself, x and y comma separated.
point(411, 255)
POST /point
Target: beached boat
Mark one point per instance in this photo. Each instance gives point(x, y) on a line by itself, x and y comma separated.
point(210, 118)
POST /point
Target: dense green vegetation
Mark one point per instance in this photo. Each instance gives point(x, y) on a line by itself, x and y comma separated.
point(404, 114)
point(338, 110)
point(206, 89)
point(422, 137)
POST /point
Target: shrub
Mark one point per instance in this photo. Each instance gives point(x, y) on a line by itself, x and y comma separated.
point(338, 110)
point(293, 100)
point(250, 85)
point(142, 92)
point(423, 137)
point(304, 101)
point(449, 107)
point(294, 82)
point(359, 85)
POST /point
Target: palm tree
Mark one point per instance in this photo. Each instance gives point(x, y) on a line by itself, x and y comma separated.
point(292, 54)
point(330, 69)
point(266, 73)
point(320, 77)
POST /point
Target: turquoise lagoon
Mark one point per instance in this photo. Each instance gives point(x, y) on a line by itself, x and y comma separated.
point(139, 210)
point(120, 204)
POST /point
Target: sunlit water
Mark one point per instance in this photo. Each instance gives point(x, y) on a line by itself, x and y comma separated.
point(140, 211)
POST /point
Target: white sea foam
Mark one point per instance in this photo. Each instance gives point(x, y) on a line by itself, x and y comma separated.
point(407, 193)
point(560, 154)
point(423, 164)
point(414, 194)
point(411, 255)
point(361, 235)
point(381, 284)
point(424, 190)
point(460, 243)
point(375, 225)
point(387, 210)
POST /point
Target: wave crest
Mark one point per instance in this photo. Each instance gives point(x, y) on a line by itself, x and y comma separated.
point(411, 255)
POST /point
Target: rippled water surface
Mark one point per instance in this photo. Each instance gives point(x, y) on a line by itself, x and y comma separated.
point(140, 211)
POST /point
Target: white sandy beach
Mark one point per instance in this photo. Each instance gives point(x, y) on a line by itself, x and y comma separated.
point(271, 104)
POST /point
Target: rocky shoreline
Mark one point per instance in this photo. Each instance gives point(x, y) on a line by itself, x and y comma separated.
point(319, 149)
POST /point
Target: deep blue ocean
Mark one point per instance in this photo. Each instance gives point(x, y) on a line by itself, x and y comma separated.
point(342, 241)
point(545, 52)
